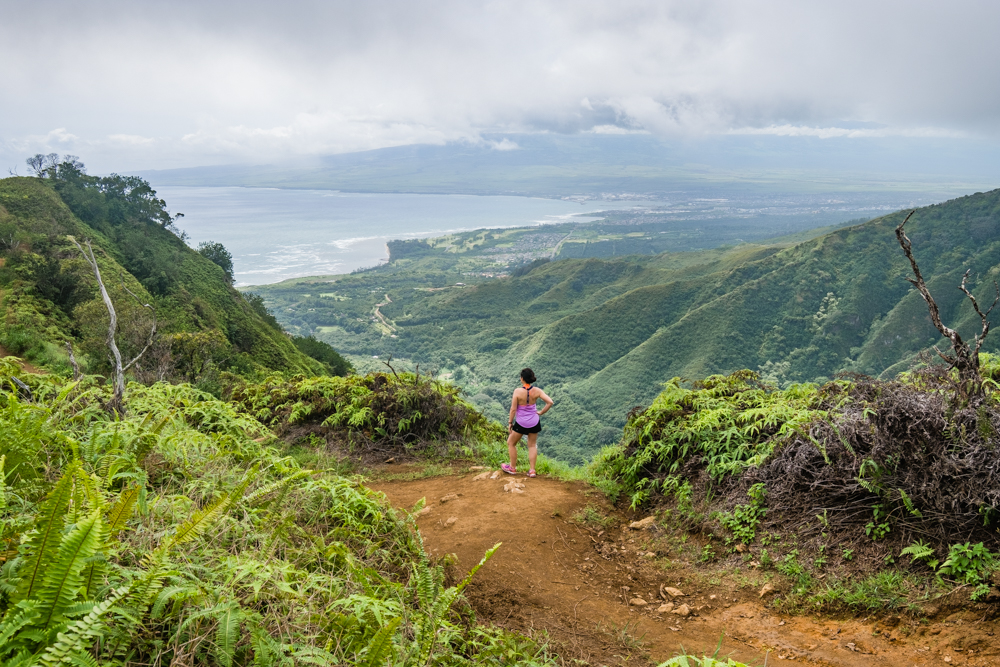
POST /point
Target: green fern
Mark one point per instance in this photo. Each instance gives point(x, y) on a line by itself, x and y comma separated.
point(72, 643)
point(43, 545)
point(21, 616)
point(909, 504)
point(921, 551)
point(122, 509)
point(63, 577)
point(228, 634)
point(380, 645)
point(3, 485)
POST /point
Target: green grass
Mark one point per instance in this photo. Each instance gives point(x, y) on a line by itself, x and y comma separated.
point(592, 517)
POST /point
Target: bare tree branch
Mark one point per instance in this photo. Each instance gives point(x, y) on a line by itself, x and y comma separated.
point(982, 316)
point(390, 366)
point(72, 361)
point(965, 358)
point(117, 403)
point(152, 331)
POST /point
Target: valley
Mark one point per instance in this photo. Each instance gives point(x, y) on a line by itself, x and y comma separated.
point(603, 333)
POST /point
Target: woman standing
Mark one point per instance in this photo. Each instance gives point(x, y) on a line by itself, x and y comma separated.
point(524, 421)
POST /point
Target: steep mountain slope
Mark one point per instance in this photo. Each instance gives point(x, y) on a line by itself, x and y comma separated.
point(604, 334)
point(48, 295)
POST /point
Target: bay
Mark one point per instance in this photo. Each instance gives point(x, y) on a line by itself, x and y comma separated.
point(277, 234)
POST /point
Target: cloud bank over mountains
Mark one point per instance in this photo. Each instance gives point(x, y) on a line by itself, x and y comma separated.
point(154, 85)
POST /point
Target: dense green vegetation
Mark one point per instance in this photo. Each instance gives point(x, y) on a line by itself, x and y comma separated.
point(603, 334)
point(186, 532)
point(826, 480)
point(48, 295)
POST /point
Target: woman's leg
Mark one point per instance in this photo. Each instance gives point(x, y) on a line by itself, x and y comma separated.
point(532, 450)
point(512, 441)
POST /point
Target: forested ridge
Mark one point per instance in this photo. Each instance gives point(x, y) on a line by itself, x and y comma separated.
point(604, 334)
point(48, 294)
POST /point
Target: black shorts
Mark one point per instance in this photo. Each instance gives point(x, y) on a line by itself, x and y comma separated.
point(525, 430)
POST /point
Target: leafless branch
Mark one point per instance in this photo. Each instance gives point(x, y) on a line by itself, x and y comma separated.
point(72, 361)
point(983, 317)
point(965, 358)
point(117, 403)
point(390, 366)
point(152, 331)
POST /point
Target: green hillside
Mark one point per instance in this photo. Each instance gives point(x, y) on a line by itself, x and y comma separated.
point(48, 294)
point(604, 334)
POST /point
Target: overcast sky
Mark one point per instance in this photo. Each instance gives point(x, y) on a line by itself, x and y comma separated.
point(143, 85)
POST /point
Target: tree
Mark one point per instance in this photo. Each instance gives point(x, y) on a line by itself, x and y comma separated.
point(40, 164)
point(118, 368)
point(323, 353)
point(217, 253)
point(964, 357)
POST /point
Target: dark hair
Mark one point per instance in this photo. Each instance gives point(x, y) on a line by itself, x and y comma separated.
point(527, 375)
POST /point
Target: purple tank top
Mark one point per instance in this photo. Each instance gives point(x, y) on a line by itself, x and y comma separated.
point(527, 415)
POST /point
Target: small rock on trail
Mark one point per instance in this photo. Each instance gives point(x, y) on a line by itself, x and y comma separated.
point(513, 487)
point(644, 524)
point(671, 591)
point(450, 496)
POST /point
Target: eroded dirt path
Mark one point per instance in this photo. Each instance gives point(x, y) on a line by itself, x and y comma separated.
point(28, 368)
point(575, 583)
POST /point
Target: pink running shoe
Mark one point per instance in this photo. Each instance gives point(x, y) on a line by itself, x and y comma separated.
point(506, 467)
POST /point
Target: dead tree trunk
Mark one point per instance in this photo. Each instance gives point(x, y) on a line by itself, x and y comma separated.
point(72, 361)
point(964, 358)
point(117, 403)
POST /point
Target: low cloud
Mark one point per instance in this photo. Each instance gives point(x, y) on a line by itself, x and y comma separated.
point(851, 133)
point(139, 85)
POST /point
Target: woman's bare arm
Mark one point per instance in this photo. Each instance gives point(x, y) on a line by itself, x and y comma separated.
point(548, 402)
point(513, 409)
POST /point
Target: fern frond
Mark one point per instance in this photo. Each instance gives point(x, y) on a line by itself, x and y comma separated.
point(63, 577)
point(909, 504)
point(203, 518)
point(199, 522)
point(83, 660)
point(274, 486)
point(3, 484)
point(27, 612)
point(227, 634)
point(44, 543)
point(381, 644)
point(167, 595)
point(311, 655)
point(77, 637)
point(21, 659)
point(427, 586)
point(472, 572)
point(122, 509)
point(92, 574)
point(919, 550)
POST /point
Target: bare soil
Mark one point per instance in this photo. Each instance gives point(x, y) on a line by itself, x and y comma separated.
point(574, 583)
point(28, 368)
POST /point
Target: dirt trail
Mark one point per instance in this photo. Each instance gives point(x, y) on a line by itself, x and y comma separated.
point(28, 368)
point(554, 575)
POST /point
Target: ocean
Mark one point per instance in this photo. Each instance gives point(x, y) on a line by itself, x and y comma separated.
point(277, 234)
